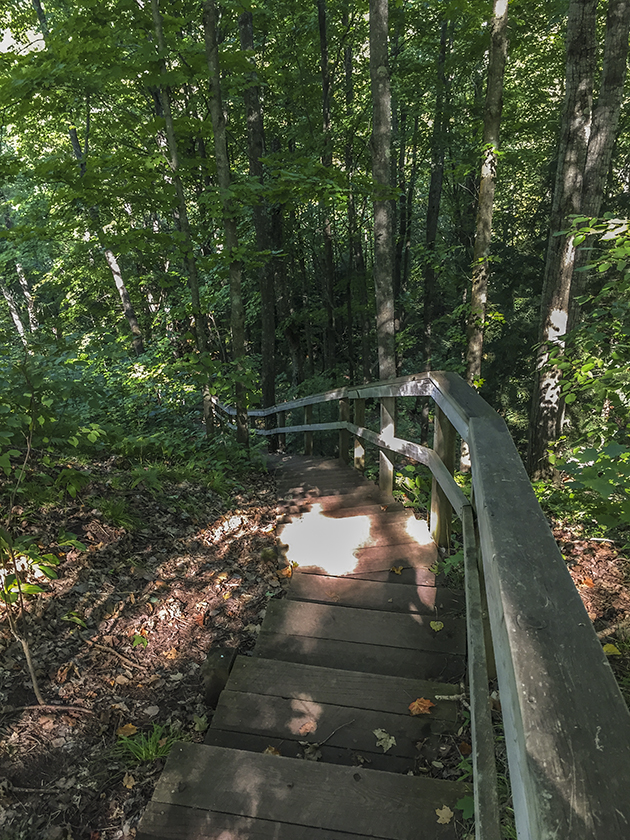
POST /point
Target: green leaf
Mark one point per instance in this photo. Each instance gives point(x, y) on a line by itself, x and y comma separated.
point(75, 618)
point(139, 640)
point(467, 805)
point(31, 589)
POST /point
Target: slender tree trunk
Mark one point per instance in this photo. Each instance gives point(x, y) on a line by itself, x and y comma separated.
point(28, 297)
point(201, 329)
point(256, 147)
point(237, 309)
point(433, 203)
point(383, 221)
point(128, 309)
point(14, 312)
point(487, 183)
point(381, 172)
point(547, 408)
point(329, 261)
point(485, 203)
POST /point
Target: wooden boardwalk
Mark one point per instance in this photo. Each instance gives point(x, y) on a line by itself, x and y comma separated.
point(292, 752)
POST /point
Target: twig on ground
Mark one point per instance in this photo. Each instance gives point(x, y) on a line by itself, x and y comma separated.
point(115, 653)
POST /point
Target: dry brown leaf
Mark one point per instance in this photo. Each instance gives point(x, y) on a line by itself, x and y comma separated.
point(271, 751)
point(307, 726)
point(396, 569)
point(128, 781)
point(464, 748)
point(127, 730)
point(421, 706)
point(171, 654)
point(444, 814)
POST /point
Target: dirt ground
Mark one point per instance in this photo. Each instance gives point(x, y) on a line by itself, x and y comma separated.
point(155, 599)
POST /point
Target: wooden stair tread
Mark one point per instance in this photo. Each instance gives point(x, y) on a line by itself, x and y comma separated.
point(302, 793)
point(350, 624)
point(375, 595)
point(313, 722)
point(354, 689)
point(352, 656)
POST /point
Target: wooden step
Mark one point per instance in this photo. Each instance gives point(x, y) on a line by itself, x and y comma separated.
point(205, 791)
point(353, 689)
point(322, 621)
point(376, 595)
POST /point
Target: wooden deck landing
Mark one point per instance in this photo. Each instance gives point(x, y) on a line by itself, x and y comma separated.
point(292, 752)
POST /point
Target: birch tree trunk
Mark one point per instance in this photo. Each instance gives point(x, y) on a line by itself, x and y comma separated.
point(14, 312)
point(581, 54)
point(237, 310)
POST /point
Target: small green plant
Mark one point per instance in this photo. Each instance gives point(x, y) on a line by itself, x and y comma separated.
point(452, 567)
point(116, 512)
point(146, 746)
point(415, 487)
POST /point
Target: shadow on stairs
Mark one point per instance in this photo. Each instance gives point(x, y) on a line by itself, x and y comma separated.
point(312, 738)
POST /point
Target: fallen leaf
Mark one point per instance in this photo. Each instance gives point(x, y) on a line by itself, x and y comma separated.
point(588, 581)
point(127, 730)
point(271, 751)
point(307, 726)
point(152, 711)
point(121, 679)
point(612, 650)
point(436, 625)
point(421, 706)
point(467, 805)
point(311, 752)
point(199, 619)
point(384, 740)
point(171, 654)
point(444, 814)
point(396, 569)
point(464, 748)
point(287, 571)
point(177, 677)
point(128, 781)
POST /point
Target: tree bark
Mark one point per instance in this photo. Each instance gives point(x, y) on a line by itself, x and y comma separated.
point(329, 261)
point(381, 173)
point(200, 323)
point(237, 310)
point(260, 210)
point(14, 312)
point(547, 408)
point(433, 204)
point(487, 184)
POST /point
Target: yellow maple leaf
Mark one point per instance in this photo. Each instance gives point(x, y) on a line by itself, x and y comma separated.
point(127, 730)
point(421, 706)
point(396, 569)
point(444, 814)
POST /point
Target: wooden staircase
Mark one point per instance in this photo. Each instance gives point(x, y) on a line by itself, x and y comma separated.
point(293, 751)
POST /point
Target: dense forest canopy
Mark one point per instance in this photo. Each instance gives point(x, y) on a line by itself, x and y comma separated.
point(189, 195)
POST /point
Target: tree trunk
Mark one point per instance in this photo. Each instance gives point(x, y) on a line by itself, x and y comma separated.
point(485, 203)
point(237, 310)
point(15, 315)
point(547, 407)
point(433, 204)
point(381, 172)
point(255, 148)
point(329, 261)
point(130, 313)
point(200, 324)
point(487, 183)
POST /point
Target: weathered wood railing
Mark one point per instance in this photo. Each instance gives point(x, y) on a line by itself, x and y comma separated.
point(567, 728)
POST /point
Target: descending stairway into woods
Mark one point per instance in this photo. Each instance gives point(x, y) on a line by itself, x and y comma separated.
point(292, 752)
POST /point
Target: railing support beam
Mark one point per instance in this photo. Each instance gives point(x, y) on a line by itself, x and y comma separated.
point(308, 436)
point(282, 439)
point(359, 449)
point(444, 447)
point(344, 435)
point(388, 430)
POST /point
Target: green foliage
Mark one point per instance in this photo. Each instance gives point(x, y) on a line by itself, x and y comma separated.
point(145, 747)
point(414, 485)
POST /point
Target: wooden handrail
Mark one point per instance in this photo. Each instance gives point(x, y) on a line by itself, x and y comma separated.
point(567, 727)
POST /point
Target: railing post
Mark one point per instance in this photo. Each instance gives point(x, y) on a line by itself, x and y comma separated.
point(344, 434)
point(282, 439)
point(386, 468)
point(308, 436)
point(359, 449)
point(444, 447)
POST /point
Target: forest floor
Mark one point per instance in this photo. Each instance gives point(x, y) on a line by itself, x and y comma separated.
point(156, 597)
